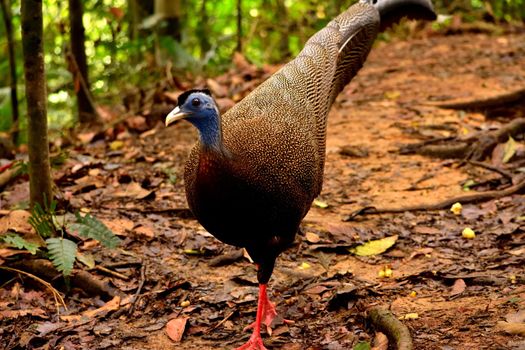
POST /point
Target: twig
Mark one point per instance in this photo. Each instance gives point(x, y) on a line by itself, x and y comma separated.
point(111, 272)
point(56, 295)
point(139, 289)
point(387, 323)
point(220, 323)
point(468, 198)
point(492, 168)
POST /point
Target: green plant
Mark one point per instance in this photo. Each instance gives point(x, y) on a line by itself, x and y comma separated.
point(60, 250)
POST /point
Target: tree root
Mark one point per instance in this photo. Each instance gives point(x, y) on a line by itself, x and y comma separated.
point(83, 280)
point(387, 323)
point(468, 198)
point(475, 147)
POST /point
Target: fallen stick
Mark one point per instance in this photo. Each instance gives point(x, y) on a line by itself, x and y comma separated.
point(468, 198)
point(79, 278)
point(396, 331)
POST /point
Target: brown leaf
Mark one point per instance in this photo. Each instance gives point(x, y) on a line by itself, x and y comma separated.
point(517, 317)
point(458, 287)
point(16, 221)
point(216, 88)
point(312, 237)
point(132, 189)
point(511, 328)
point(380, 342)
point(112, 305)
point(119, 226)
point(175, 328)
point(23, 312)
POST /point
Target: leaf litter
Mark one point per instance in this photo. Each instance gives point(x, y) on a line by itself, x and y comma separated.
point(450, 291)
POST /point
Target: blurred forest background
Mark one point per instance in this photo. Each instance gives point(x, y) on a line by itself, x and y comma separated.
point(130, 43)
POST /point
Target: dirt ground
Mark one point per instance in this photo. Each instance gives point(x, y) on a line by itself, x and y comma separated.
point(452, 292)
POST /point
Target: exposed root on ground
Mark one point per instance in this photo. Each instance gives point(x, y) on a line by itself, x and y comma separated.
point(80, 279)
point(387, 323)
point(444, 204)
point(475, 147)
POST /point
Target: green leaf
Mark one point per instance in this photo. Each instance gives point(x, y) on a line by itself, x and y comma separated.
point(42, 220)
point(509, 150)
point(90, 227)
point(18, 242)
point(362, 346)
point(62, 253)
point(374, 247)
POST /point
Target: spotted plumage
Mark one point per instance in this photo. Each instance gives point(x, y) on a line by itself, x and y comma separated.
point(255, 171)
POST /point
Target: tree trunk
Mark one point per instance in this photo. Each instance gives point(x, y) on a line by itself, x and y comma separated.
point(133, 17)
point(35, 86)
point(86, 109)
point(203, 31)
point(169, 11)
point(239, 26)
point(6, 10)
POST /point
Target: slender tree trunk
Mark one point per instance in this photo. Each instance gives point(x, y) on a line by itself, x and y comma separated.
point(202, 31)
point(6, 10)
point(35, 85)
point(239, 26)
point(86, 109)
point(169, 10)
point(133, 17)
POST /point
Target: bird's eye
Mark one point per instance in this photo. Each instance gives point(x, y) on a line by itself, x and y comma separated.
point(196, 102)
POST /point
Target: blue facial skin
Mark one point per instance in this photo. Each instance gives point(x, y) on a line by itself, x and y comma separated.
point(203, 113)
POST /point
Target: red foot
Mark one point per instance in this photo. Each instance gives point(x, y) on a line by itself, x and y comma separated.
point(255, 343)
point(268, 314)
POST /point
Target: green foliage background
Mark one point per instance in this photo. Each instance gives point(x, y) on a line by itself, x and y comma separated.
point(273, 31)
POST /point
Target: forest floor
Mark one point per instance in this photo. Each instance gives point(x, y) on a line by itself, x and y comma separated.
point(451, 292)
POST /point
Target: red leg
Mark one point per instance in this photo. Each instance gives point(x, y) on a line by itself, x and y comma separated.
point(263, 310)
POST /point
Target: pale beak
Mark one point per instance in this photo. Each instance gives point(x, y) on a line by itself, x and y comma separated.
point(174, 115)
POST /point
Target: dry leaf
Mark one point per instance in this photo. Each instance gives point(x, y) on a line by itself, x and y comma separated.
point(132, 189)
point(16, 221)
point(458, 287)
point(380, 342)
point(517, 317)
point(511, 328)
point(175, 328)
point(312, 237)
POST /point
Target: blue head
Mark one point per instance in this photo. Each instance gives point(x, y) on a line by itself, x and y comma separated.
point(199, 108)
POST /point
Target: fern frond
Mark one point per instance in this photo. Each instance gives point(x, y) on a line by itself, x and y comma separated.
point(19, 242)
point(90, 227)
point(62, 253)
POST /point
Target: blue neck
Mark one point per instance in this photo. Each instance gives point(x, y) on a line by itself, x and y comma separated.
point(209, 130)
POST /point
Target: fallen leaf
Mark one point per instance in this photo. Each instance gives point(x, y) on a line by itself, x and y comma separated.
point(517, 317)
point(362, 346)
point(16, 221)
point(320, 204)
point(375, 247)
point(37, 312)
point(132, 189)
point(112, 305)
point(175, 328)
point(509, 150)
point(312, 237)
point(458, 287)
point(380, 342)
point(410, 316)
point(511, 328)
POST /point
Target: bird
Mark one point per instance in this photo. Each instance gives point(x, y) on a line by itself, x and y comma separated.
point(254, 172)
